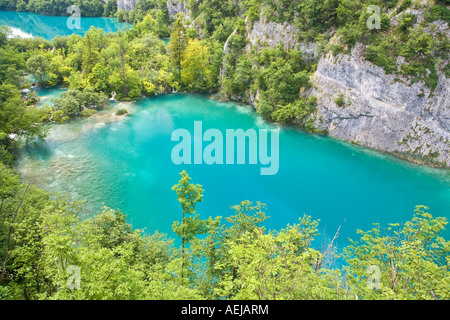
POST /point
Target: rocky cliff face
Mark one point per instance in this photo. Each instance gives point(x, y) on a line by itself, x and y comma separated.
point(381, 111)
point(270, 34)
point(173, 6)
point(125, 4)
point(176, 6)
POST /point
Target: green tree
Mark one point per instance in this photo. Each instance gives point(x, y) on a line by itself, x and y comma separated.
point(408, 261)
point(93, 42)
point(275, 266)
point(16, 120)
point(178, 43)
point(42, 240)
point(38, 66)
point(110, 8)
point(122, 53)
point(195, 73)
point(72, 102)
point(298, 112)
point(188, 195)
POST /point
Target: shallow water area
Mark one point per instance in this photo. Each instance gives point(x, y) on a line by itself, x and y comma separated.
point(46, 95)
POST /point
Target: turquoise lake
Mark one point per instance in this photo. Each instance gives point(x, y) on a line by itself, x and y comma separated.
point(126, 163)
point(26, 24)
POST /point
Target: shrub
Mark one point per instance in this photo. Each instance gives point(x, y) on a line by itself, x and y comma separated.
point(121, 111)
point(381, 55)
point(340, 101)
point(437, 12)
point(265, 109)
point(406, 21)
point(72, 102)
point(297, 112)
point(88, 112)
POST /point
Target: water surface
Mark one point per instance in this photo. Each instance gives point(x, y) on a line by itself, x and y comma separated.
point(47, 95)
point(27, 24)
point(126, 163)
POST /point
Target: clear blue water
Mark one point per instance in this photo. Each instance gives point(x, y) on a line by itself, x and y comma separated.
point(126, 163)
point(47, 95)
point(28, 24)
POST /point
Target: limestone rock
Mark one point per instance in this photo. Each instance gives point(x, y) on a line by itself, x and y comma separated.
point(265, 33)
point(176, 6)
point(126, 4)
point(381, 111)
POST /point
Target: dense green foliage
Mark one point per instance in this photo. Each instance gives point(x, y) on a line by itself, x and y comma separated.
point(156, 8)
point(16, 119)
point(76, 102)
point(404, 44)
point(43, 240)
point(412, 259)
point(209, 50)
point(47, 252)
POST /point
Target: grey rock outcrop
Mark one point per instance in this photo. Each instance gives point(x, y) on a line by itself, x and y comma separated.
point(126, 4)
point(381, 111)
point(265, 33)
point(173, 6)
point(176, 6)
point(270, 34)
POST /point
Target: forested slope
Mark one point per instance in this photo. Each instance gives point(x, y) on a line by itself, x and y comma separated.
point(312, 63)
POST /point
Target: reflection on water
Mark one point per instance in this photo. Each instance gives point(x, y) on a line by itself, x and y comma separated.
point(16, 32)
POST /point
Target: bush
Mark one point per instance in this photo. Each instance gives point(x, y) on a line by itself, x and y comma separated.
point(405, 4)
point(88, 112)
point(381, 55)
point(447, 70)
point(122, 111)
point(265, 109)
point(406, 21)
point(437, 12)
point(59, 117)
point(298, 112)
point(73, 102)
point(340, 101)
